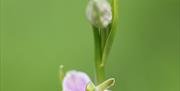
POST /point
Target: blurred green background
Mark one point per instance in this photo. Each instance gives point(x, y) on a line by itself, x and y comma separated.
point(39, 35)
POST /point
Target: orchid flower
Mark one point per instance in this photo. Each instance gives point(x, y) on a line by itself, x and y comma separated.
point(79, 81)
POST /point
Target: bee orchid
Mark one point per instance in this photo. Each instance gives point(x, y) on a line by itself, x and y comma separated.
point(79, 81)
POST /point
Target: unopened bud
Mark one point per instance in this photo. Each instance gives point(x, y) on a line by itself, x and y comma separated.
point(99, 13)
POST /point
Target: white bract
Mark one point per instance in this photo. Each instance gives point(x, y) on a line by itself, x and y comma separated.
point(99, 13)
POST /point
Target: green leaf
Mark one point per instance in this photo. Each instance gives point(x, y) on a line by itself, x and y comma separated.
point(111, 34)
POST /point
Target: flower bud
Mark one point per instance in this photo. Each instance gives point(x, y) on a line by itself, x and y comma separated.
point(99, 13)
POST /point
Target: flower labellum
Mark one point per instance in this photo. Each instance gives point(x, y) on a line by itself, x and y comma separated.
point(99, 13)
point(75, 81)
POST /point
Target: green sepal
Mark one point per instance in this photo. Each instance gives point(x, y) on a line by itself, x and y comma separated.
point(101, 87)
point(106, 84)
point(90, 87)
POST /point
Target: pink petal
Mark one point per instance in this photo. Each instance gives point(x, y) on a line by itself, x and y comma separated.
point(75, 81)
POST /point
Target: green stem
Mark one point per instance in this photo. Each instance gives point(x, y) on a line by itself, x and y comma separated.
point(99, 74)
point(99, 69)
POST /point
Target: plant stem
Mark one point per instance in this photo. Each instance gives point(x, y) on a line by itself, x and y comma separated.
point(99, 73)
point(99, 69)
